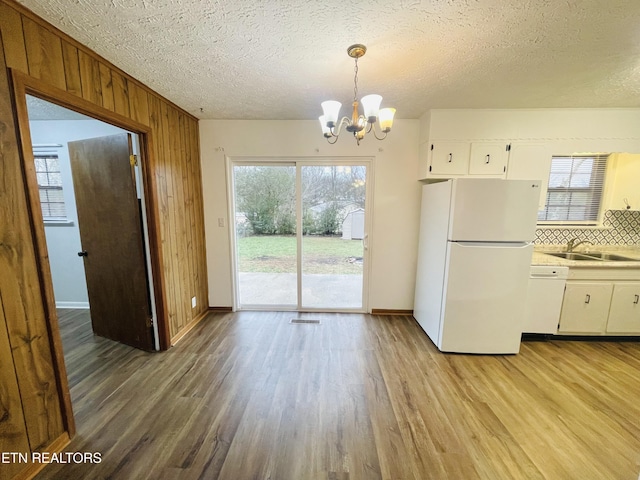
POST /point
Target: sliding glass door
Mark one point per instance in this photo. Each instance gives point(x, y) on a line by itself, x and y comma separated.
point(333, 236)
point(266, 245)
point(300, 235)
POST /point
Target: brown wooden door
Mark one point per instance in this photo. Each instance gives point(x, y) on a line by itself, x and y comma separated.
point(111, 235)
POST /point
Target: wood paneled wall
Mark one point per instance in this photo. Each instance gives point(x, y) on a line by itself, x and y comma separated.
point(31, 415)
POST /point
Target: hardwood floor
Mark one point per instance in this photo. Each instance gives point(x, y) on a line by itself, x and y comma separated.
point(251, 396)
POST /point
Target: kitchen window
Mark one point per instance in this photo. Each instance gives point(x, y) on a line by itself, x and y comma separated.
point(50, 187)
point(575, 189)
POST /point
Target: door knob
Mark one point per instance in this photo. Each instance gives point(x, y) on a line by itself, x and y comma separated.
point(83, 253)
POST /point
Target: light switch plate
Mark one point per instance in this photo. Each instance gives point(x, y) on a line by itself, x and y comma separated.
point(193, 302)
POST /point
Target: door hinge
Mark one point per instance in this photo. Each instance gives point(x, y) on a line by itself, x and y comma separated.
point(133, 160)
point(149, 322)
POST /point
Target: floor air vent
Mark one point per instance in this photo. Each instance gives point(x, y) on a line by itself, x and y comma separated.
point(301, 320)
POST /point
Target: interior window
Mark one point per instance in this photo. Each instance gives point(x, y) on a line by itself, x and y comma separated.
point(575, 189)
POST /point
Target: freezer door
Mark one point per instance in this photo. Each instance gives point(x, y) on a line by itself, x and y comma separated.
point(494, 210)
point(485, 293)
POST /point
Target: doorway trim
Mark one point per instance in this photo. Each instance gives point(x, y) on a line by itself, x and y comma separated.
point(23, 85)
point(298, 162)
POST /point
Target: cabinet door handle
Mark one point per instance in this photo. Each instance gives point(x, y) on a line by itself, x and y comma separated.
point(450, 157)
point(587, 298)
point(488, 159)
point(637, 297)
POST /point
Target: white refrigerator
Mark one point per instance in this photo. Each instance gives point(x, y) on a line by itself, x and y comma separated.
point(474, 255)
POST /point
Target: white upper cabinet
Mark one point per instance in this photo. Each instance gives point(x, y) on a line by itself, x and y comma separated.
point(488, 159)
point(461, 159)
point(559, 131)
point(449, 158)
point(530, 161)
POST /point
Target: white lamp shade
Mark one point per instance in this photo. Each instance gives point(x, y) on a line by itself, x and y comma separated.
point(371, 105)
point(323, 124)
point(331, 110)
point(385, 115)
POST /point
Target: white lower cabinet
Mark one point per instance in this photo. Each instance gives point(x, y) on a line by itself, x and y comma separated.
point(624, 315)
point(600, 308)
point(585, 307)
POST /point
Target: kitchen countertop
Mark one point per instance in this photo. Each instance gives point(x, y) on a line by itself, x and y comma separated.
point(540, 258)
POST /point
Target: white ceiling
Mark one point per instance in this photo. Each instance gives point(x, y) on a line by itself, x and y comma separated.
point(278, 59)
point(39, 109)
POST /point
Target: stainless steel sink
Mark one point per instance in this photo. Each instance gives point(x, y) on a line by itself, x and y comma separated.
point(571, 256)
point(609, 257)
point(592, 256)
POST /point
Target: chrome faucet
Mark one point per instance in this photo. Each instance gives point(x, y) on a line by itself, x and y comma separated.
point(571, 244)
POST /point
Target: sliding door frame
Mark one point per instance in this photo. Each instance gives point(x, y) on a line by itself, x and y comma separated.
point(299, 162)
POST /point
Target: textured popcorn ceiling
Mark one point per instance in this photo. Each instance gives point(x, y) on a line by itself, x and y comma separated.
point(278, 59)
point(42, 110)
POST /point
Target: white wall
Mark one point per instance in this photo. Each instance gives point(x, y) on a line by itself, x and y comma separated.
point(530, 124)
point(623, 182)
point(63, 241)
point(396, 196)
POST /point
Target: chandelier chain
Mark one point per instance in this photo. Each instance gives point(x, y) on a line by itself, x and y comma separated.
point(355, 82)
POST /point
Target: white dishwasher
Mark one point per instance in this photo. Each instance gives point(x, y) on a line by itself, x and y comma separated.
point(544, 298)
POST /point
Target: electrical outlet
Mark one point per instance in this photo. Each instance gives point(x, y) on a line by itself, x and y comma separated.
point(221, 222)
point(193, 302)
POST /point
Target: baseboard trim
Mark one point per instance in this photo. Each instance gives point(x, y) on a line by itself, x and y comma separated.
point(57, 446)
point(221, 309)
point(188, 327)
point(384, 311)
point(73, 305)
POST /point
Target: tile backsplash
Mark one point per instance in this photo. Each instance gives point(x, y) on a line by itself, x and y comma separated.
point(620, 227)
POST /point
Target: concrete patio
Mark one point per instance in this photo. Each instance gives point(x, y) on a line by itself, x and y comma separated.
point(318, 290)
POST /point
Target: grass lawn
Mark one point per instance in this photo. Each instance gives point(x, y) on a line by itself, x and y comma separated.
point(277, 254)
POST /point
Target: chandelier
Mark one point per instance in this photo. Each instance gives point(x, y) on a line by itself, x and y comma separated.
point(358, 124)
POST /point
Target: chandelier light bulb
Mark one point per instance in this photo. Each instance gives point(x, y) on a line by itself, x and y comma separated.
point(331, 110)
point(371, 105)
point(385, 115)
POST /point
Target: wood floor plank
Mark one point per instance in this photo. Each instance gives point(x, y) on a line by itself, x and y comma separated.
point(251, 396)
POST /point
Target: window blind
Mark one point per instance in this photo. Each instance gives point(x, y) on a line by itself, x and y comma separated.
point(576, 184)
point(50, 186)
